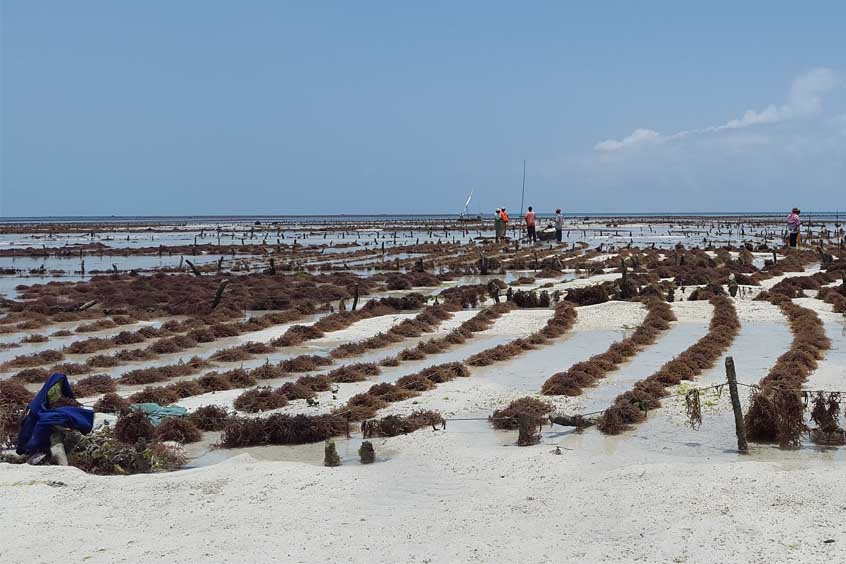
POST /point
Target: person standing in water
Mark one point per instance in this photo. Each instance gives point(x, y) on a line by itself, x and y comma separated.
point(504, 223)
point(793, 226)
point(559, 225)
point(498, 229)
point(530, 225)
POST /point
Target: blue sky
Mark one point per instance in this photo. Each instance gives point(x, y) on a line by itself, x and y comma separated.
point(190, 107)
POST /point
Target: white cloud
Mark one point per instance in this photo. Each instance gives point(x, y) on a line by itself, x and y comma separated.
point(639, 136)
point(803, 100)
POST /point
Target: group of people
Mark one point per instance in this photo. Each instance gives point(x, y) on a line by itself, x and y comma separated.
point(501, 224)
point(794, 224)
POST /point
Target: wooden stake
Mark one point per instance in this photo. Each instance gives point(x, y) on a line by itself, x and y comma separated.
point(367, 453)
point(355, 298)
point(330, 454)
point(526, 431)
point(193, 268)
point(731, 375)
point(219, 293)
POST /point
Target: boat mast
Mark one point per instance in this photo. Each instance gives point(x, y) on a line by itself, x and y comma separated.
point(523, 196)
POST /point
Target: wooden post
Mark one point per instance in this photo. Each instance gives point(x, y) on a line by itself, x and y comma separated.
point(355, 298)
point(526, 434)
point(731, 375)
point(193, 268)
point(219, 293)
point(367, 453)
point(330, 454)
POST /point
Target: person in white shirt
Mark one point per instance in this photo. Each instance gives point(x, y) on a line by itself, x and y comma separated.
point(559, 225)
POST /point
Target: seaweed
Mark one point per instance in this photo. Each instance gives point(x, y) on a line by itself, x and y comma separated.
point(209, 417)
point(394, 425)
point(32, 375)
point(14, 393)
point(280, 429)
point(111, 403)
point(91, 385)
point(526, 407)
point(179, 429)
point(260, 399)
point(631, 407)
point(776, 411)
point(132, 426)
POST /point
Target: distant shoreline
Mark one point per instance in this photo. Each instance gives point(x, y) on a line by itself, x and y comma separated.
point(344, 218)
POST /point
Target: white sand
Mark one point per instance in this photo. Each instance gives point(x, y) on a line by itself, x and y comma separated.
point(698, 310)
point(449, 496)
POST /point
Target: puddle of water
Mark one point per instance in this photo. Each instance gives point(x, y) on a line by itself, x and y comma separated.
point(204, 454)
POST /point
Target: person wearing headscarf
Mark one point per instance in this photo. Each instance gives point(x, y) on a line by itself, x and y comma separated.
point(793, 226)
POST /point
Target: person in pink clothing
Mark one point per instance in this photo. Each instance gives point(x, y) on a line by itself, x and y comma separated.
point(793, 226)
point(530, 225)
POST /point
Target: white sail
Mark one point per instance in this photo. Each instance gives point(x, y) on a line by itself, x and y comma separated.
point(467, 203)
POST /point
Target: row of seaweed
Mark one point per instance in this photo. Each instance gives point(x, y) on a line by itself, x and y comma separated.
point(632, 406)
point(295, 335)
point(777, 405)
point(173, 336)
point(572, 381)
point(364, 406)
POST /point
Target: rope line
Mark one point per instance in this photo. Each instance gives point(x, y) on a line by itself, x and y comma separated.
point(718, 387)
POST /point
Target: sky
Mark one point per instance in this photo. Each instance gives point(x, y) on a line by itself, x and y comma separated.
point(274, 107)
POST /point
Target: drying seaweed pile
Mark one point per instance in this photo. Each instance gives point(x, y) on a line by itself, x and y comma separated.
point(14, 398)
point(586, 373)
point(777, 407)
point(209, 418)
point(393, 425)
point(279, 429)
point(631, 407)
point(529, 408)
point(183, 294)
point(104, 453)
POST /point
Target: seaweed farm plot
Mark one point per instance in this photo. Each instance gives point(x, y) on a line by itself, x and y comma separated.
point(762, 338)
point(275, 340)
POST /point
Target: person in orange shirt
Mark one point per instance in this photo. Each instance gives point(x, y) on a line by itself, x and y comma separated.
point(530, 225)
point(504, 222)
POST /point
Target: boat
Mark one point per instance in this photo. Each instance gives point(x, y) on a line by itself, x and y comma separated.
point(464, 216)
